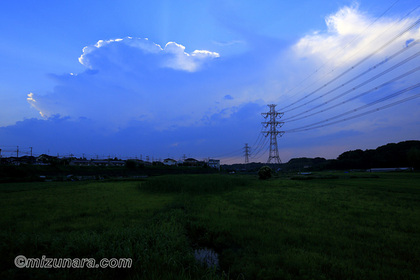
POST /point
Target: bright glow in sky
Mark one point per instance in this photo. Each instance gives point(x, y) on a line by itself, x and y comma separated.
point(168, 78)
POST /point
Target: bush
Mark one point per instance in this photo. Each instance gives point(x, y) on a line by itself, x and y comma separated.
point(131, 164)
point(265, 172)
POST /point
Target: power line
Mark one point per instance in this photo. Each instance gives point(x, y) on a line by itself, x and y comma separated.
point(360, 75)
point(295, 118)
point(341, 50)
point(235, 152)
point(259, 142)
point(257, 154)
point(365, 113)
point(328, 121)
point(229, 161)
point(355, 65)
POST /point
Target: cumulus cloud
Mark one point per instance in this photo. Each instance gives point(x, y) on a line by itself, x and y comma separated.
point(167, 96)
point(351, 35)
point(173, 55)
point(134, 79)
point(353, 47)
point(346, 66)
point(180, 60)
point(66, 135)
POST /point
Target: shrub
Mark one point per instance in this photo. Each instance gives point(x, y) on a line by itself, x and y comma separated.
point(265, 172)
point(131, 164)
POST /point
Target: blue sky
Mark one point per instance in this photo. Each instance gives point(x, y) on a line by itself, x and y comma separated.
point(168, 78)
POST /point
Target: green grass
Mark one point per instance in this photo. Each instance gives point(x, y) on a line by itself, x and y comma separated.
point(53, 206)
point(345, 228)
point(92, 219)
point(333, 226)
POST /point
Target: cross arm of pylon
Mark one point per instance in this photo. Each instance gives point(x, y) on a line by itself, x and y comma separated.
point(273, 123)
point(273, 132)
point(276, 114)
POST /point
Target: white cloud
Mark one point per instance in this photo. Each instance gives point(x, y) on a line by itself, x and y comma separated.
point(133, 80)
point(347, 21)
point(31, 100)
point(351, 35)
point(128, 80)
point(180, 60)
point(309, 67)
point(352, 42)
point(173, 55)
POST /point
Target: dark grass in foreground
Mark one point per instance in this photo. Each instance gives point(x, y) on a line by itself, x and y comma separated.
point(339, 226)
point(325, 229)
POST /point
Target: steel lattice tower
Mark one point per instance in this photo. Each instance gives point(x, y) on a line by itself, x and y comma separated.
point(273, 131)
point(247, 152)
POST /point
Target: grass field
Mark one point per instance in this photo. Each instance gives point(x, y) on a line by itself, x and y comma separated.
point(333, 226)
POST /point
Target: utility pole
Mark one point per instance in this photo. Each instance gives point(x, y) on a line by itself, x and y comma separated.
point(17, 152)
point(273, 124)
point(247, 152)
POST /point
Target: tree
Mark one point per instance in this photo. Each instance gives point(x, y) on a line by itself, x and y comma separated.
point(265, 172)
point(413, 156)
point(131, 164)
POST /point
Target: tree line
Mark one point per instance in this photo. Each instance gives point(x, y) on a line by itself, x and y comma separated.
point(402, 154)
point(392, 155)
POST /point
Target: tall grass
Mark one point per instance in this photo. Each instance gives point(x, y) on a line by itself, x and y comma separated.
point(193, 184)
point(94, 220)
point(159, 249)
point(346, 227)
point(365, 228)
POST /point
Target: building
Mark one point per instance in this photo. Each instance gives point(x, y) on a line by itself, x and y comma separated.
point(214, 163)
point(84, 162)
point(390, 169)
point(190, 162)
point(169, 161)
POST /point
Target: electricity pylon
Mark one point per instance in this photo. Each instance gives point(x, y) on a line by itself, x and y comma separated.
point(247, 152)
point(273, 131)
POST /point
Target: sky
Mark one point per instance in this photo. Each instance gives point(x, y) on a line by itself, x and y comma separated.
point(131, 79)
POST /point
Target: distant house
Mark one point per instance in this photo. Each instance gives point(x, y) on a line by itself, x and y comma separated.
point(84, 162)
point(80, 162)
point(214, 163)
point(390, 169)
point(190, 162)
point(27, 159)
point(18, 160)
point(45, 159)
point(169, 161)
point(11, 160)
point(117, 162)
point(146, 163)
